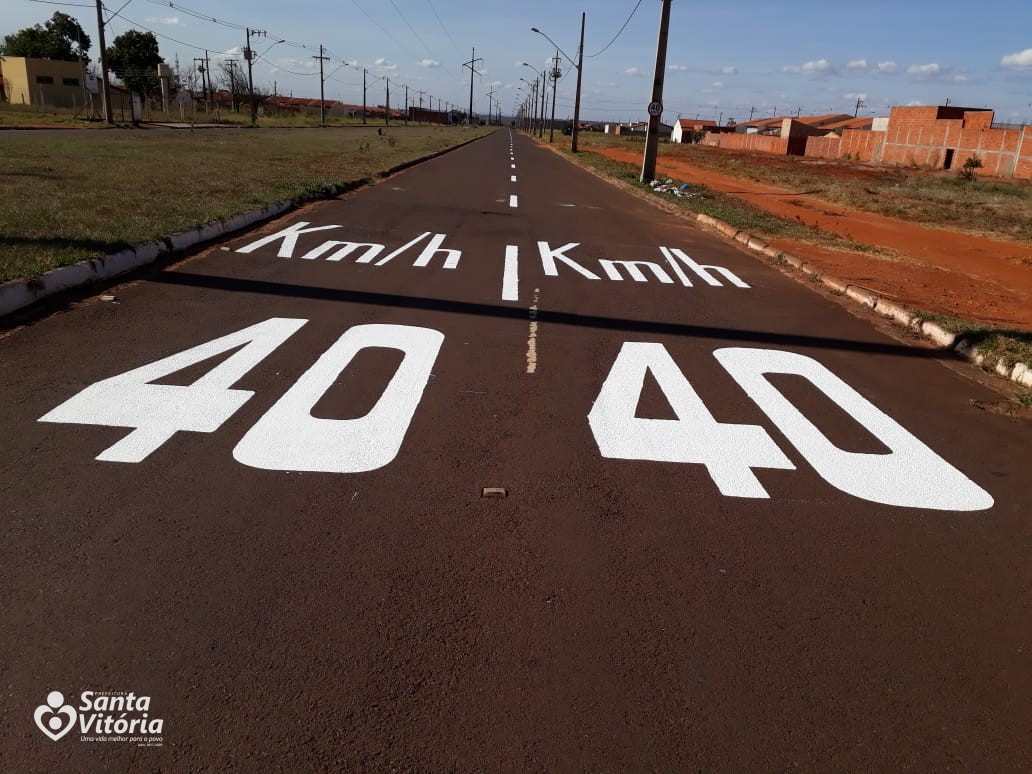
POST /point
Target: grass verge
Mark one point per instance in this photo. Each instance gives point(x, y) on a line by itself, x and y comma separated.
point(80, 196)
point(995, 343)
point(727, 208)
point(992, 207)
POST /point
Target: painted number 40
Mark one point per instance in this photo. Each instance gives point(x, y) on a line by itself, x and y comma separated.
point(289, 438)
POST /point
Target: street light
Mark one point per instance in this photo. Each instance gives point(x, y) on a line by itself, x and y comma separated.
point(579, 65)
point(533, 102)
point(541, 130)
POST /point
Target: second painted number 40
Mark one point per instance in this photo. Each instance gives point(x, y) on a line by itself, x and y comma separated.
point(289, 438)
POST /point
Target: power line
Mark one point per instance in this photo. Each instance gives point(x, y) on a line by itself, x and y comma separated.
point(197, 14)
point(51, 2)
point(431, 53)
point(432, 8)
point(618, 34)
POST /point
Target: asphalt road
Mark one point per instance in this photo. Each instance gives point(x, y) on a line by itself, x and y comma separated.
point(743, 530)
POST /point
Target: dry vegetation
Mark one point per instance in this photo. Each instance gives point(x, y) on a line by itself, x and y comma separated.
point(72, 196)
point(985, 206)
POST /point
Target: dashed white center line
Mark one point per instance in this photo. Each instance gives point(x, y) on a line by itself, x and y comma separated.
point(513, 166)
point(511, 276)
point(512, 179)
point(514, 201)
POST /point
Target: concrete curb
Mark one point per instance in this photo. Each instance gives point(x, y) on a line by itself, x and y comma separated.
point(1019, 373)
point(20, 294)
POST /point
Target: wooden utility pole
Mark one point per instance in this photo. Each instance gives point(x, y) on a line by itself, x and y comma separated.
point(648, 167)
point(580, 70)
point(249, 56)
point(322, 87)
point(472, 65)
point(105, 92)
point(556, 75)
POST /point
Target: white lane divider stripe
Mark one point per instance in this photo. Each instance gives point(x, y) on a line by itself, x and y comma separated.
point(514, 202)
point(511, 276)
point(512, 179)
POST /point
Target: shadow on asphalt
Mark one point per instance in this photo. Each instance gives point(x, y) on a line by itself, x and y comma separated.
point(236, 285)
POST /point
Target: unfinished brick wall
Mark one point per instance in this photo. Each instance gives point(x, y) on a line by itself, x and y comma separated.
point(822, 147)
point(750, 142)
point(924, 137)
point(862, 145)
point(1023, 167)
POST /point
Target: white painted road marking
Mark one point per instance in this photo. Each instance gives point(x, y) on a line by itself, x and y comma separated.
point(514, 201)
point(288, 437)
point(532, 337)
point(512, 179)
point(511, 276)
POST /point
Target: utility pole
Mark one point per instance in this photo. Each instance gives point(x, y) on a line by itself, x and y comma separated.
point(322, 86)
point(648, 168)
point(387, 112)
point(232, 65)
point(490, 105)
point(207, 70)
point(752, 112)
point(472, 65)
point(859, 105)
point(204, 84)
point(556, 75)
point(249, 56)
point(420, 114)
point(105, 91)
point(580, 71)
point(364, 72)
point(544, 97)
point(406, 105)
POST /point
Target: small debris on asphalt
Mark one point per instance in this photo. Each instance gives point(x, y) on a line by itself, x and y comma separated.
point(494, 491)
point(109, 298)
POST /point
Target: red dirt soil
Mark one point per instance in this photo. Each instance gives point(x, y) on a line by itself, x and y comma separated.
point(936, 270)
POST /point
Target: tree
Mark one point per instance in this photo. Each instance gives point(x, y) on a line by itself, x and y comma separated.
point(61, 38)
point(133, 56)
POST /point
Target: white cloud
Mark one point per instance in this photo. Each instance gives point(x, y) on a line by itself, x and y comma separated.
point(815, 67)
point(431, 63)
point(857, 64)
point(385, 65)
point(925, 70)
point(633, 71)
point(729, 70)
point(718, 84)
point(860, 95)
point(1019, 61)
point(915, 103)
point(171, 21)
point(886, 67)
point(677, 68)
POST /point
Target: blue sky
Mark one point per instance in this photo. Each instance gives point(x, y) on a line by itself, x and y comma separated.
point(724, 60)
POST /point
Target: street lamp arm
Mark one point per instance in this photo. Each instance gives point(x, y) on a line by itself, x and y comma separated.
point(568, 58)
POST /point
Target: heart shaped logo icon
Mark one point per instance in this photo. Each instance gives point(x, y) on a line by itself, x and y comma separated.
point(48, 716)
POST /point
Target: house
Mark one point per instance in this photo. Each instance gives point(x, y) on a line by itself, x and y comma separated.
point(686, 129)
point(640, 129)
point(51, 82)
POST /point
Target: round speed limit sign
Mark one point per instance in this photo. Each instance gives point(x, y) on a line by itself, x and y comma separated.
point(655, 108)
